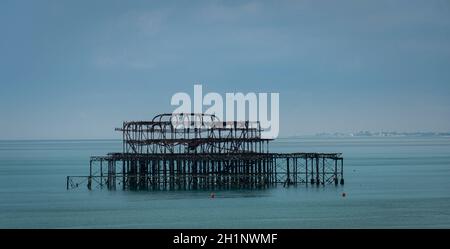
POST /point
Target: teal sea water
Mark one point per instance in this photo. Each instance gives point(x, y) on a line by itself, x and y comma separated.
point(390, 183)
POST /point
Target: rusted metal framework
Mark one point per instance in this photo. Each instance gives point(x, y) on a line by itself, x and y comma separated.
point(191, 134)
point(198, 151)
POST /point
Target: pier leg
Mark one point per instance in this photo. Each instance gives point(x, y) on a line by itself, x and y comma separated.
point(323, 171)
point(101, 174)
point(123, 175)
point(288, 178)
point(335, 172)
point(317, 171)
point(306, 171)
point(89, 184)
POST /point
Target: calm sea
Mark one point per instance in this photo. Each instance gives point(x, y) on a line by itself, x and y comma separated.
point(389, 182)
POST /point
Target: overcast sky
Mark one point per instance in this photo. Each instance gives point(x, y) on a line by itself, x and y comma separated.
point(77, 69)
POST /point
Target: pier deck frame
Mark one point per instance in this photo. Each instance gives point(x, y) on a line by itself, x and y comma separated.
point(210, 171)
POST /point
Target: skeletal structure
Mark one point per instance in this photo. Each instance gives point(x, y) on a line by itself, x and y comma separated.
point(198, 151)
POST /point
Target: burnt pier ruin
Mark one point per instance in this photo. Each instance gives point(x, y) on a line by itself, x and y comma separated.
point(198, 151)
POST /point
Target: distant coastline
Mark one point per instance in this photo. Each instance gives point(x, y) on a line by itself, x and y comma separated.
point(320, 135)
point(384, 134)
point(371, 134)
